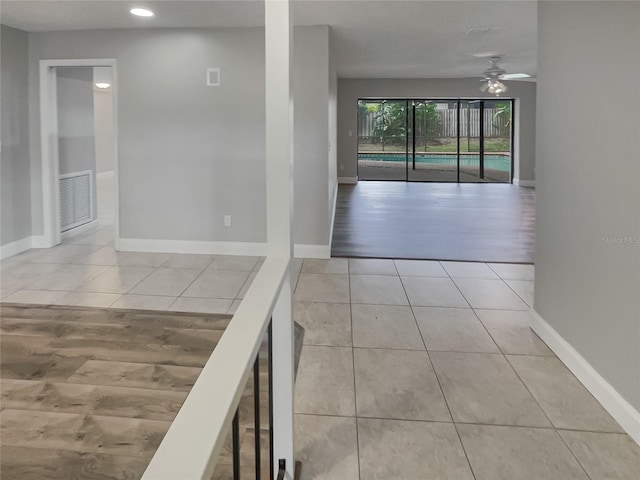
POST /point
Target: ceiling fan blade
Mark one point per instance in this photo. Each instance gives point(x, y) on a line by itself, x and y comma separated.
point(514, 76)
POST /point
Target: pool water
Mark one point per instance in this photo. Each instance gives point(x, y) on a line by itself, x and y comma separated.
point(493, 162)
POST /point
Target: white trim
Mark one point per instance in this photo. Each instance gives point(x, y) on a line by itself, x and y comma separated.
point(38, 241)
point(193, 246)
point(524, 183)
point(301, 250)
point(14, 248)
point(84, 228)
point(19, 246)
point(105, 175)
point(333, 217)
point(49, 152)
point(348, 180)
point(217, 248)
point(621, 410)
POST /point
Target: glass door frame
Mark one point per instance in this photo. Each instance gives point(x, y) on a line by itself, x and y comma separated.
point(481, 137)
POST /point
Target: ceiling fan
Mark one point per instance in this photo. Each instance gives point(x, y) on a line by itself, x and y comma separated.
point(491, 78)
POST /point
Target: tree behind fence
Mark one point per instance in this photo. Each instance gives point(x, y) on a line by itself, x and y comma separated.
point(495, 125)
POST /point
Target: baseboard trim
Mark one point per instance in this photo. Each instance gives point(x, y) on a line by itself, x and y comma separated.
point(92, 225)
point(524, 183)
point(348, 180)
point(22, 245)
point(621, 410)
point(311, 251)
point(39, 241)
point(14, 248)
point(192, 246)
point(216, 248)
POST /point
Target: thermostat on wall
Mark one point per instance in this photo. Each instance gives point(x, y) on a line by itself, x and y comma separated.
point(213, 77)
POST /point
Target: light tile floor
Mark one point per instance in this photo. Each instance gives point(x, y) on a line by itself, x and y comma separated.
point(422, 370)
point(410, 369)
point(86, 270)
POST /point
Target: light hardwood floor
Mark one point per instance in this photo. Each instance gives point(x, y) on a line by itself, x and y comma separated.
point(90, 393)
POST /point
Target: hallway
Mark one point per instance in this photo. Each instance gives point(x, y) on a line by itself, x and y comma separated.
point(429, 370)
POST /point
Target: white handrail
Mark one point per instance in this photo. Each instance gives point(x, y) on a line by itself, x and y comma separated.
point(191, 447)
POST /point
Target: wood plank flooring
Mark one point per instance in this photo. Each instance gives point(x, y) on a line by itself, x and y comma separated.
point(90, 393)
point(435, 221)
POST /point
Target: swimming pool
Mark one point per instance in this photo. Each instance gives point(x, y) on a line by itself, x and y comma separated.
point(493, 162)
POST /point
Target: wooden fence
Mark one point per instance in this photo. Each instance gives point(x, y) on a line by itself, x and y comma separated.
point(445, 125)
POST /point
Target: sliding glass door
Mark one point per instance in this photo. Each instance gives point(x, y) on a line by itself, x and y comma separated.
point(383, 140)
point(433, 152)
point(435, 140)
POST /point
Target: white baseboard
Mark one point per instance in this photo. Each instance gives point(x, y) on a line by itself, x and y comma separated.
point(192, 246)
point(349, 180)
point(524, 183)
point(39, 241)
point(19, 246)
point(216, 248)
point(311, 251)
point(92, 225)
point(13, 248)
point(621, 410)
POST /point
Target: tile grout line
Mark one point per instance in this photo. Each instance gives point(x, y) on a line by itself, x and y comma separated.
point(439, 384)
point(555, 429)
point(353, 359)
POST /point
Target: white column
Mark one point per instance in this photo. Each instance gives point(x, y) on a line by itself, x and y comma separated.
point(279, 175)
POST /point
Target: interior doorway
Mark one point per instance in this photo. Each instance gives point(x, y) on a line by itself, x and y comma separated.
point(429, 140)
point(79, 149)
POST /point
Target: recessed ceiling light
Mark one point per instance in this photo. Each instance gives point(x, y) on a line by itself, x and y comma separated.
point(141, 12)
point(103, 85)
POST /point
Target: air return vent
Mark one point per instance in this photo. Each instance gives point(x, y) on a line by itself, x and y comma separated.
point(76, 198)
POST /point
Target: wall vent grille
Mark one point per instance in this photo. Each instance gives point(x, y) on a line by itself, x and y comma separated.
point(76, 199)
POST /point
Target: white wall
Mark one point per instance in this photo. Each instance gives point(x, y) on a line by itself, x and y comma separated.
point(104, 135)
point(189, 154)
point(14, 173)
point(350, 90)
point(587, 285)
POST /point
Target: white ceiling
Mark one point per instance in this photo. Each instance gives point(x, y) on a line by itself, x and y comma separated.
point(370, 38)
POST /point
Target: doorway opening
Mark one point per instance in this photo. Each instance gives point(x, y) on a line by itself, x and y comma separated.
point(79, 150)
point(429, 140)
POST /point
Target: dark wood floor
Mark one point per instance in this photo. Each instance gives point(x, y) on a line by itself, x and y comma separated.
point(435, 221)
point(90, 393)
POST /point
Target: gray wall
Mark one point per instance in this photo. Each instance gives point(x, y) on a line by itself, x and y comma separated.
point(76, 131)
point(588, 184)
point(14, 172)
point(311, 150)
point(333, 134)
point(350, 90)
point(103, 111)
point(76, 137)
point(189, 154)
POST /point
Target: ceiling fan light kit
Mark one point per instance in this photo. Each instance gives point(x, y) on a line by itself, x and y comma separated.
point(491, 79)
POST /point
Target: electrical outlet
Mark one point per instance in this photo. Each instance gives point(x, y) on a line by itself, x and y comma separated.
point(341, 167)
point(350, 133)
point(227, 220)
